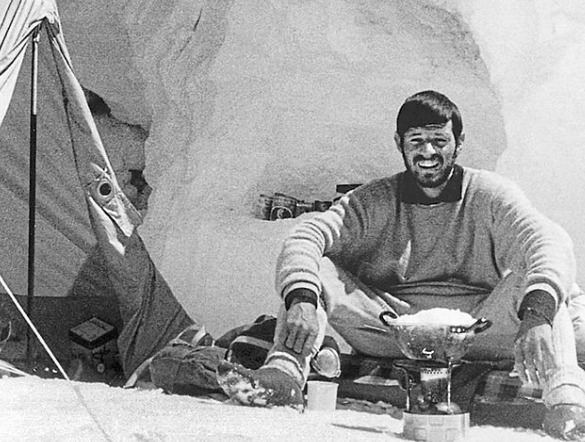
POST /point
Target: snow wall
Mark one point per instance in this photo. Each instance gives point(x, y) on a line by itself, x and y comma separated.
point(243, 97)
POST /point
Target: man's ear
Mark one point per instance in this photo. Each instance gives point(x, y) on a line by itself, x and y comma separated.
point(459, 145)
point(398, 141)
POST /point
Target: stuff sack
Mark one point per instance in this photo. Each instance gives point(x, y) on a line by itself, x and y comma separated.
point(185, 369)
point(188, 364)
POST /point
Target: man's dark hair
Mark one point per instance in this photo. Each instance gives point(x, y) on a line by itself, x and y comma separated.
point(428, 107)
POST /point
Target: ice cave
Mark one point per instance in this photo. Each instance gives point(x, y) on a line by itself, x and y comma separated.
point(245, 98)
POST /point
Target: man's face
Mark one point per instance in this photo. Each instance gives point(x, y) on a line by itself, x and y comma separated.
point(429, 153)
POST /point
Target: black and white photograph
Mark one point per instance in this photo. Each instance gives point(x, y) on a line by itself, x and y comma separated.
point(292, 220)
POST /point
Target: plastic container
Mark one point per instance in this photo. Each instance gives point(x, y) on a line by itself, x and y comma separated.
point(321, 395)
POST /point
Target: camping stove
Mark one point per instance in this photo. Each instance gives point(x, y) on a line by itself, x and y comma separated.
point(433, 349)
point(430, 413)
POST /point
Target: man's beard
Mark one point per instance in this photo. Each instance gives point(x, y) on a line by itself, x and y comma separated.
point(429, 179)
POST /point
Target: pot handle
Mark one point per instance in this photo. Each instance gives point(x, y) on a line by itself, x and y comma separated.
point(384, 320)
point(482, 324)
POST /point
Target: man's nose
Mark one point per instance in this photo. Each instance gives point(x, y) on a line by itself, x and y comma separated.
point(427, 148)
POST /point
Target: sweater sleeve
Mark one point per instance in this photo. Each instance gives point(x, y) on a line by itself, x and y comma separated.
point(527, 241)
point(340, 231)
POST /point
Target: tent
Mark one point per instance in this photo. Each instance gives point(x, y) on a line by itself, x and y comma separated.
point(55, 253)
point(68, 146)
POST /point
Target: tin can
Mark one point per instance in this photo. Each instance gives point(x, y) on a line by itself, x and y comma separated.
point(322, 206)
point(303, 207)
point(264, 206)
point(283, 207)
point(344, 188)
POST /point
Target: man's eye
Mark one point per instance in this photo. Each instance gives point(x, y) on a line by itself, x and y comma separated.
point(440, 142)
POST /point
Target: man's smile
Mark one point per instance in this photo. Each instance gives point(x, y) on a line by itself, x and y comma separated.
point(429, 163)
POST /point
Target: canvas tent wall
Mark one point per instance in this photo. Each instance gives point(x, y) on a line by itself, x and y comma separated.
point(70, 160)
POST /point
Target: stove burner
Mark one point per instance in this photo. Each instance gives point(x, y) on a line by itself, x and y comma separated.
point(428, 386)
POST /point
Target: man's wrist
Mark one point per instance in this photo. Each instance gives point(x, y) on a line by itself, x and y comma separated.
point(300, 295)
point(540, 304)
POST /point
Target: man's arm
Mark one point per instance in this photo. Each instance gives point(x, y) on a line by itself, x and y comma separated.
point(297, 278)
point(338, 232)
point(533, 347)
point(529, 242)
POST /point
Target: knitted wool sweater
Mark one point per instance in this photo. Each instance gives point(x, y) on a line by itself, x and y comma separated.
point(456, 246)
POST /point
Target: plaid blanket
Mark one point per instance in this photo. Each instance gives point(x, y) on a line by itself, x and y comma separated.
point(503, 386)
point(472, 381)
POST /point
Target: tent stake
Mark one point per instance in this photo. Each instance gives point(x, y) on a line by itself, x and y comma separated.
point(32, 187)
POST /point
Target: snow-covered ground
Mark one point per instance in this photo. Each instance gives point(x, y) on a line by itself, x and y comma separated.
point(49, 410)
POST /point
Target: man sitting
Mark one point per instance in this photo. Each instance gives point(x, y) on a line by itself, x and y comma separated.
point(435, 235)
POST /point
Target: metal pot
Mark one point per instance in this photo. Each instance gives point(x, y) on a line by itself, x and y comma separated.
point(434, 342)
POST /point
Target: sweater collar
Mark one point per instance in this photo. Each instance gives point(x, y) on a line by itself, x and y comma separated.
point(410, 193)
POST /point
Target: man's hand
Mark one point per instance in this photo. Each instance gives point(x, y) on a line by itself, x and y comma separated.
point(301, 328)
point(533, 349)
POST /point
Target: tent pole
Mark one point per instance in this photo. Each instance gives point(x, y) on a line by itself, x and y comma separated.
point(32, 187)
